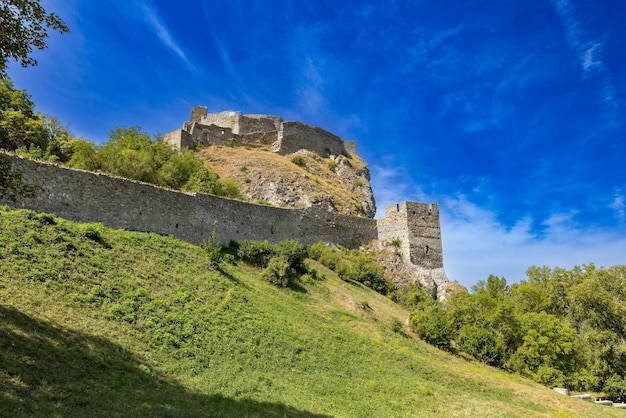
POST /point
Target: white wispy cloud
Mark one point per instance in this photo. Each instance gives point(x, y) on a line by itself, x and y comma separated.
point(589, 52)
point(151, 18)
point(314, 71)
point(619, 205)
point(476, 245)
point(225, 57)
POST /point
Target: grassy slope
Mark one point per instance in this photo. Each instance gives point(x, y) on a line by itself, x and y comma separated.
point(100, 322)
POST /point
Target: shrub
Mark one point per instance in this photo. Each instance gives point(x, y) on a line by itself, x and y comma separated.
point(353, 266)
point(615, 388)
point(396, 326)
point(228, 187)
point(93, 232)
point(294, 252)
point(213, 248)
point(257, 253)
point(364, 269)
point(298, 160)
point(396, 243)
point(278, 271)
point(430, 323)
point(332, 166)
point(326, 255)
point(415, 294)
point(481, 343)
point(549, 376)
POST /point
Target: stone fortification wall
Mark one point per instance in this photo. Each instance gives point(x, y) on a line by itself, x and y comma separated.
point(239, 123)
point(227, 119)
point(119, 203)
point(417, 226)
point(179, 139)
point(205, 128)
point(197, 113)
point(295, 136)
point(350, 147)
point(195, 134)
point(258, 123)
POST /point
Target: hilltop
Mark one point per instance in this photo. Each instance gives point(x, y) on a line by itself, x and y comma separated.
point(283, 164)
point(300, 180)
point(106, 322)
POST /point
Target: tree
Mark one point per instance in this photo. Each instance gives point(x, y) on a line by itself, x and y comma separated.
point(20, 125)
point(548, 352)
point(430, 323)
point(600, 299)
point(24, 25)
point(481, 343)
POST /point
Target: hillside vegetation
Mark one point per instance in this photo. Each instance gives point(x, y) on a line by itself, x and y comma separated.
point(102, 323)
point(294, 181)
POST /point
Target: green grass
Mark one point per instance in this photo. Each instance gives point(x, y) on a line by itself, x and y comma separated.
point(96, 322)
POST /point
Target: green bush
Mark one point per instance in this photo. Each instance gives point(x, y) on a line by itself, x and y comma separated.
point(294, 252)
point(278, 271)
point(430, 322)
point(396, 326)
point(298, 160)
point(364, 269)
point(549, 376)
point(481, 343)
point(414, 294)
point(94, 232)
point(256, 253)
point(332, 166)
point(615, 388)
point(353, 266)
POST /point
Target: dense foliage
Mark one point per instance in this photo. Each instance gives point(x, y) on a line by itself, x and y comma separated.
point(128, 153)
point(20, 125)
point(559, 327)
point(132, 154)
point(354, 266)
point(281, 262)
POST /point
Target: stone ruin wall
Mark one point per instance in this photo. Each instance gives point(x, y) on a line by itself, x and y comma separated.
point(205, 128)
point(295, 136)
point(120, 203)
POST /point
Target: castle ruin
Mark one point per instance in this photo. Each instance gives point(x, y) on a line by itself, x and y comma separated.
point(121, 203)
point(282, 137)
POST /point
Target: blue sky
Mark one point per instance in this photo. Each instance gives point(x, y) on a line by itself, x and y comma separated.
point(508, 114)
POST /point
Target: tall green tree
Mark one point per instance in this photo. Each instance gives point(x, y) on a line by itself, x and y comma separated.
point(600, 299)
point(20, 125)
point(24, 25)
point(549, 348)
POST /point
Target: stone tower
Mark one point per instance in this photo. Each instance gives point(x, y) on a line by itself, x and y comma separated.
point(417, 226)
